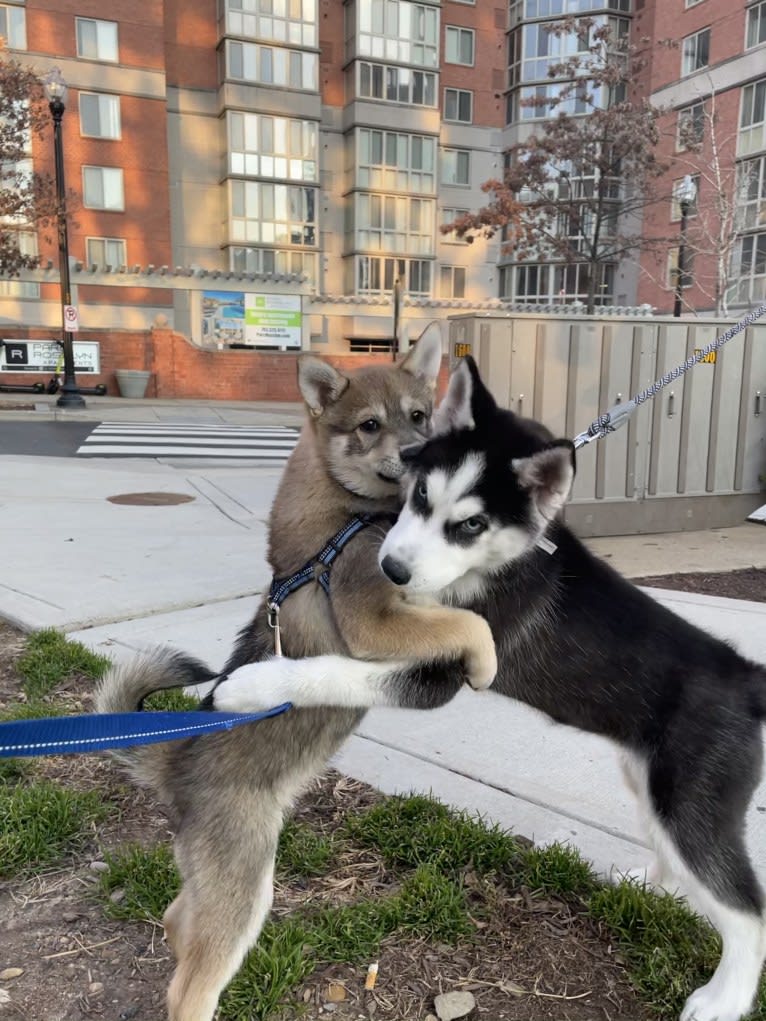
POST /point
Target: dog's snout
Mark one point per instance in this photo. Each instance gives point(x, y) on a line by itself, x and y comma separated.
point(395, 570)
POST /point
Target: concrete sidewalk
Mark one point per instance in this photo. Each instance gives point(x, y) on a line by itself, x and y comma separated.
point(123, 577)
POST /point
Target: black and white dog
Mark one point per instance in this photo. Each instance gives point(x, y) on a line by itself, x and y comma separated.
point(578, 642)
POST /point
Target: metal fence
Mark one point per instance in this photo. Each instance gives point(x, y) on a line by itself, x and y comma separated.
point(694, 457)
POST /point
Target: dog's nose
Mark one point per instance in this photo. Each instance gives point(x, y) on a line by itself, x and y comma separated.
point(395, 571)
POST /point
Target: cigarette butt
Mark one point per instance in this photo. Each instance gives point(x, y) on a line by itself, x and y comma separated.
point(372, 974)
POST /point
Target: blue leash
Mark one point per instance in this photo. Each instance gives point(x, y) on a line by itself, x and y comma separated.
point(67, 735)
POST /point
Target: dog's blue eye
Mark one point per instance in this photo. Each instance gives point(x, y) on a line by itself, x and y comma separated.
point(370, 426)
point(473, 525)
point(421, 495)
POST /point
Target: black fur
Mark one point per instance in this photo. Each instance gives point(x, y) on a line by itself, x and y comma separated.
point(589, 649)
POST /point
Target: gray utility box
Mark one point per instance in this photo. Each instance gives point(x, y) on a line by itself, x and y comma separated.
point(694, 457)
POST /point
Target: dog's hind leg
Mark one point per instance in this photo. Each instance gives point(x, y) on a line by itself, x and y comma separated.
point(228, 867)
point(700, 802)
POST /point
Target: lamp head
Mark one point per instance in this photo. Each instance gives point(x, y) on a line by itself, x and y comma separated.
point(55, 86)
point(687, 191)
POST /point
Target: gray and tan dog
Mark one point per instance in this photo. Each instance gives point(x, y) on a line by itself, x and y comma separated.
point(228, 794)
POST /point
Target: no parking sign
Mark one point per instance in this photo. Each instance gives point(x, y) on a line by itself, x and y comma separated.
point(71, 319)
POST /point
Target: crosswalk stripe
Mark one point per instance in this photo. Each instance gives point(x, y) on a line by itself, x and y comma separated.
point(127, 439)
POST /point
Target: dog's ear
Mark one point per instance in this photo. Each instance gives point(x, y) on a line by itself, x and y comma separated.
point(548, 475)
point(425, 357)
point(483, 404)
point(454, 412)
point(319, 383)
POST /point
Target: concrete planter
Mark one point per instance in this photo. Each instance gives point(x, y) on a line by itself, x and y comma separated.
point(132, 382)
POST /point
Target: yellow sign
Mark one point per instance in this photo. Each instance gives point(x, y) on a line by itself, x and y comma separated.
point(709, 358)
point(461, 350)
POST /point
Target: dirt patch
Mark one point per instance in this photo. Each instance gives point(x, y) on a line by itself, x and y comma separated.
point(748, 583)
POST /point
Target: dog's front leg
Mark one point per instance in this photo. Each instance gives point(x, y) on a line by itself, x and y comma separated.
point(314, 681)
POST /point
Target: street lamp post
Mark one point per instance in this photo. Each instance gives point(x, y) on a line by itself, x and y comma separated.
point(56, 91)
point(685, 195)
point(397, 310)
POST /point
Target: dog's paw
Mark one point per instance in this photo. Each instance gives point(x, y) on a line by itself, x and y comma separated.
point(481, 658)
point(251, 688)
point(710, 1003)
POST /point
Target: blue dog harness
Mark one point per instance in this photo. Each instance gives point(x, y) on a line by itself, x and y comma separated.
point(316, 569)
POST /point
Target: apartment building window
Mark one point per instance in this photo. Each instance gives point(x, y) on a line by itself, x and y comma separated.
point(293, 22)
point(13, 26)
point(392, 160)
point(456, 166)
point(688, 275)
point(752, 192)
point(452, 282)
point(458, 106)
point(751, 124)
point(691, 3)
point(272, 260)
point(394, 223)
point(99, 115)
point(264, 146)
point(449, 215)
point(552, 284)
point(675, 205)
point(459, 45)
point(270, 65)
point(27, 242)
point(756, 25)
point(272, 214)
point(695, 52)
point(397, 30)
point(396, 84)
point(750, 267)
point(103, 188)
point(522, 9)
point(96, 40)
point(376, 275)
point(106, 252)
point(691, 126)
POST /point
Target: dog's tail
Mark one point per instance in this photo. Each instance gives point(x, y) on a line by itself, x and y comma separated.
point(123, 690)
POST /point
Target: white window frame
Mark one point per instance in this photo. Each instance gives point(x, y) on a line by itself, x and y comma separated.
point(448, 153)
point(103, 28)
point(108, 171)
point(456, 33)
point(16, 34)
point(750, 287)
point(105, 260)
point(672, 268)
point(407, 172)
point(272, 65)
point(687, 110)
point(260, 214)
point(689, 52)
point(449, 274)
point(448, 215)
point(104, 100)
point(394, 224)
point(257, 19)
point(760, 10)
point(375, 269)
point(751, 137)
point(401, 79)
point(458, 93)
point(281, 148)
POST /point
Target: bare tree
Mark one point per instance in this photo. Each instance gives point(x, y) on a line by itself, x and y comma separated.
point(27, 199)
point(573, 193)
point(720, 215)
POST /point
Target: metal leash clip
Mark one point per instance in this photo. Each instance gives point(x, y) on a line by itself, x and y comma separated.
point(273, 619)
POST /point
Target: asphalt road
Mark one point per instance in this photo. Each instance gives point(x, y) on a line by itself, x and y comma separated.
point(43, 439)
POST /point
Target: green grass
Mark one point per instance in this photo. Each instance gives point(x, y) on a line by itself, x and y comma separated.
point(667, 950)
point(49, 658)
point(41, 822)
point(172, 700)
point(148, 878)
point(303, 852)
point(428, 906)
